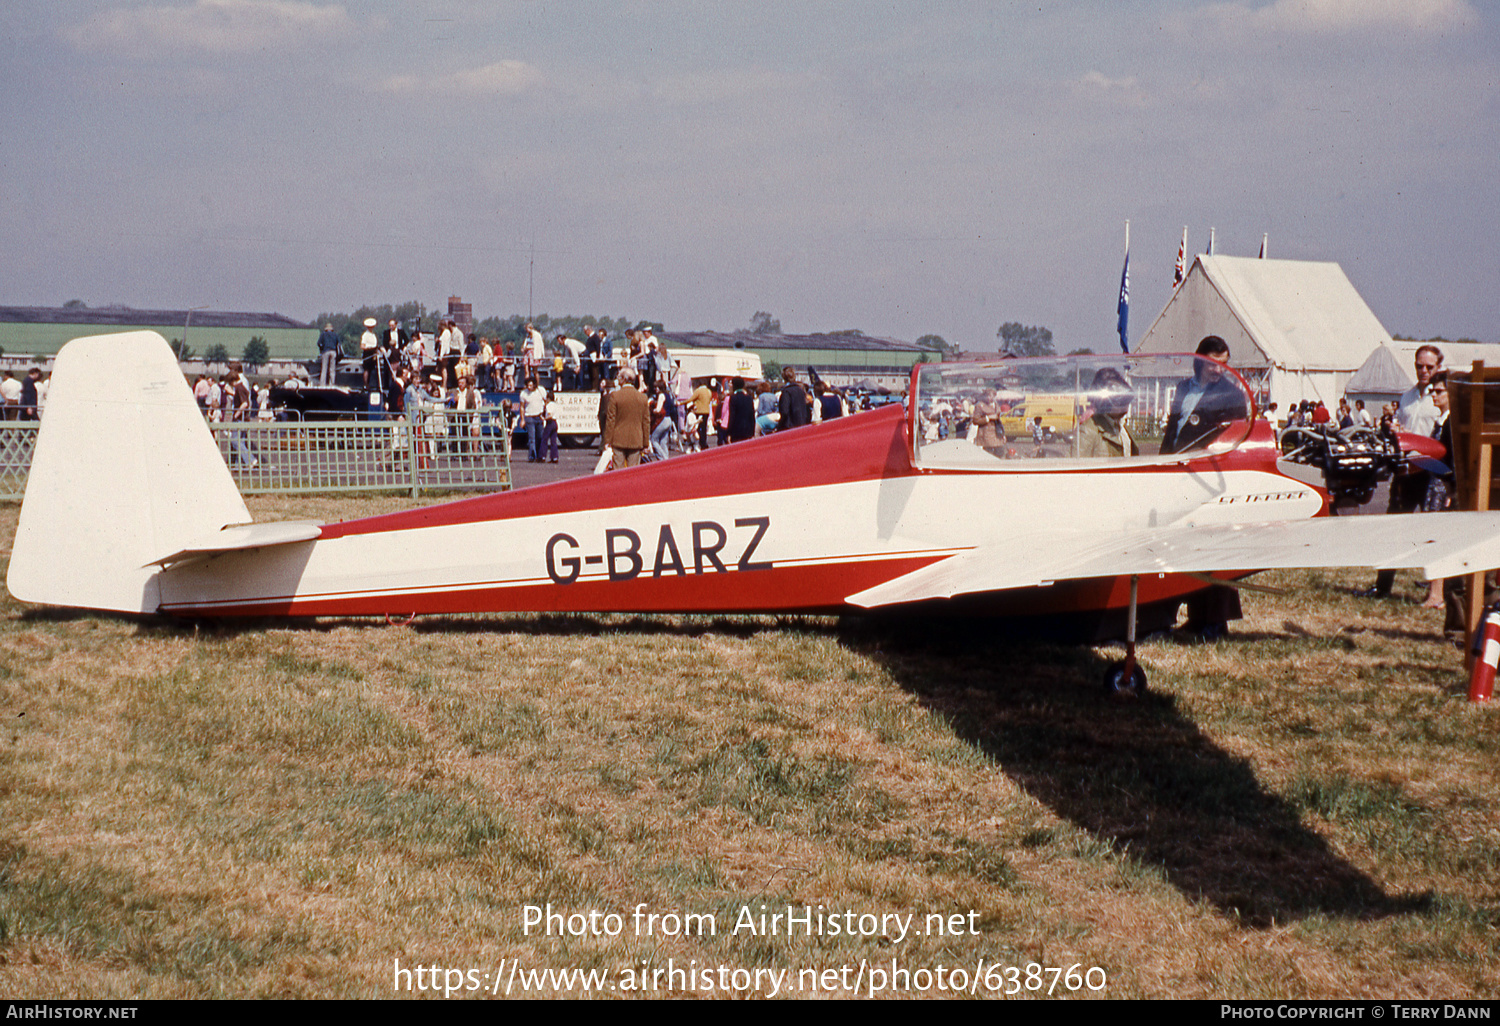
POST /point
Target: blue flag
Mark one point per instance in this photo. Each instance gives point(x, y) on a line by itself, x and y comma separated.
point(1124, 307)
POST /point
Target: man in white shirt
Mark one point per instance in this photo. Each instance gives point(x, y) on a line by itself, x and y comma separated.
point(369, 347)
point(456, 340)
point(573, 351)
point(10, 391)
point(1415, 410)
point(1417, 414)
point(533, 407)
point(536, 349)
point(450, 347)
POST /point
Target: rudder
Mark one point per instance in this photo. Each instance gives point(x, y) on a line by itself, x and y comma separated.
point(125, 472)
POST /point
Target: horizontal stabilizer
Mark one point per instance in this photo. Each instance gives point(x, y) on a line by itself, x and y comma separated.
point(246, 536)
point(1439, 544)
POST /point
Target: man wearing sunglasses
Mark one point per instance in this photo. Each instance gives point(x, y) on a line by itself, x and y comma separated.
point(1415, 413)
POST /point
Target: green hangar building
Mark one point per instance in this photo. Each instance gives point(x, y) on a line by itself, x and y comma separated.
point(41, 330)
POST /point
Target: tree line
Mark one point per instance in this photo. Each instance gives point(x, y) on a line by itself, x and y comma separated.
point(256, 352)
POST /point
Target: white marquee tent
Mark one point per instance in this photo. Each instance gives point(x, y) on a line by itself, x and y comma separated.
point(1390, 370)
point(1296, 329)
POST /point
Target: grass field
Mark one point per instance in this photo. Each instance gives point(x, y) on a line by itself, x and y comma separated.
point(1308, 809)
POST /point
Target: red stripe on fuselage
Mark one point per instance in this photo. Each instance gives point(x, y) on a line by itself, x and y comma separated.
point(864, 447)
point(792, 589)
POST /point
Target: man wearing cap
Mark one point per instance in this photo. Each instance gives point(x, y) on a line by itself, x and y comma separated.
point(369, 346)
point(328, 355)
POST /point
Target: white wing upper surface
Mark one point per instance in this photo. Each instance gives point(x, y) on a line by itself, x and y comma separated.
point(1439, 544)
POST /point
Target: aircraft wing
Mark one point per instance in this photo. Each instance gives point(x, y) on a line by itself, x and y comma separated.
point(1439, 544)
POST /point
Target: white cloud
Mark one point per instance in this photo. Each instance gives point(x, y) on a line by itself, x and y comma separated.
point(211, 26)
point(1340, 16)
point(502, 78)
point(1097, 85)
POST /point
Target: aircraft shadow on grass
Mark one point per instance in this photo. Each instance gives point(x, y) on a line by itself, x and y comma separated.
point(1139, 776)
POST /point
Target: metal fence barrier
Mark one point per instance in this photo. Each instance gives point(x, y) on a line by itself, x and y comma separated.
point(452, 451)
point(17, 443)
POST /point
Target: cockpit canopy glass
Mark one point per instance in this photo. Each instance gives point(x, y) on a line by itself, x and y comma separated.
point(1156, 408)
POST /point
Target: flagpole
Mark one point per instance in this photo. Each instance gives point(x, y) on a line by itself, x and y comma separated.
point(1123, 308)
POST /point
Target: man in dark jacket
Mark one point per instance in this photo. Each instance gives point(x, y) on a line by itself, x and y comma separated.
point(1205, 402)
point(741, 413)
point(794, 407)
point(29, 401)
point(1201, 405)
point(328, 355)
point(394, 339)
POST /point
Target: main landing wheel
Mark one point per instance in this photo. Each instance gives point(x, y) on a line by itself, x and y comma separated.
point(1118, 685)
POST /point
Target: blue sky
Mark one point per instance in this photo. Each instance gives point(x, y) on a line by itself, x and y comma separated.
point(903, 168)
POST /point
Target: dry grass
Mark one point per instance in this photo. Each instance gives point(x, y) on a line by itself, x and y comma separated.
point(275, 809)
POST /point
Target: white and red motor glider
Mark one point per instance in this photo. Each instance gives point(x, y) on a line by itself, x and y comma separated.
point(1035, 522)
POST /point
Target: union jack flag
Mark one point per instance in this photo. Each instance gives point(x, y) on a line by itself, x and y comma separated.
point(1181, 271)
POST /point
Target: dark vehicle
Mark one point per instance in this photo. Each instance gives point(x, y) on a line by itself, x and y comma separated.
point(344, 399)
point(501, 407)
point(1353, 460)
point(318, 402)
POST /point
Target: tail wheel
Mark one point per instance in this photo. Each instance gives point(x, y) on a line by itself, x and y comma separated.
point(1118, 685)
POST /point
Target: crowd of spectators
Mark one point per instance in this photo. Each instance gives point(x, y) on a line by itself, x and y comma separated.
point(640, 420)
point(445, 384)
point(680, 415)
point(564, 363)
point(24, 398)
point(1313, 413)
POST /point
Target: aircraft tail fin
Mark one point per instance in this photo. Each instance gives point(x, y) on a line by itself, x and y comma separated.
point(125, 472)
